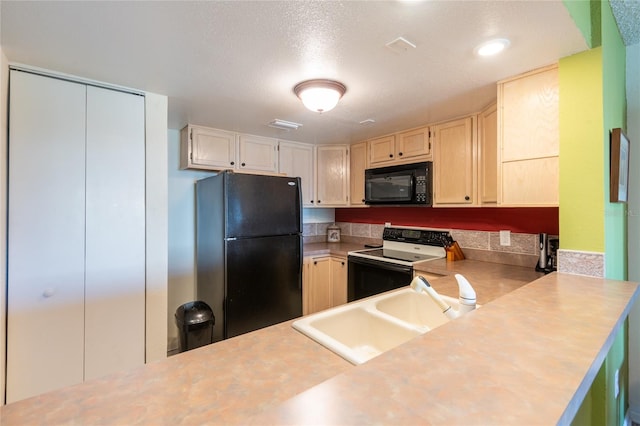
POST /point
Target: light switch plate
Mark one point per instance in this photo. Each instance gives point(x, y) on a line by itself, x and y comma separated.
point(505, 238)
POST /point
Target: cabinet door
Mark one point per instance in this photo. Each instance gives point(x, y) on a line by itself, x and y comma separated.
point(115, 232)
point(296, 159)
point(258, 153)
point(332, 175)
point(528, 137)
point(319, 295)
point(530, 115)
point(382, 150)
point(488, 155)
point(338, 281)
point(211, 148)
point(454, 165)
point(414, 144)
point(356, 173)
point(46, 224)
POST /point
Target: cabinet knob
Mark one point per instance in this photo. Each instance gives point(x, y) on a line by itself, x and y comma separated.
point(363, 200)
point(400, 154)
point(315, 262)
point(243, 164)
point(311, 201)
point(467, 198)
point(233, 162)
point(390, 155)
point(342, 263)
point(48, 292)
point(319, 201)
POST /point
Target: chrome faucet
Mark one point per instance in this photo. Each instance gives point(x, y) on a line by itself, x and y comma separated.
point(466, 298)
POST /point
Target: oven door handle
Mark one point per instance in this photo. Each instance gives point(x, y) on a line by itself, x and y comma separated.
point(380, 264)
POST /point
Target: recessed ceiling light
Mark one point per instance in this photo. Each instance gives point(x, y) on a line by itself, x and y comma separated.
point(492, 47)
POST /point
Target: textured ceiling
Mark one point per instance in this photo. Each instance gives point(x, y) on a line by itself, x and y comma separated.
point(233, 64)
point(627, 14)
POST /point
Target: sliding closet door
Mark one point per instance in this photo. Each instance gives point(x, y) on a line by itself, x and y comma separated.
point(115, 219)
point(46, 241)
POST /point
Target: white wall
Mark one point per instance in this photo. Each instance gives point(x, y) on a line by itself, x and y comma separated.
point(182, 243)
point(4, 87)
point(318, 215)
point(156, 222)
point(633, 133)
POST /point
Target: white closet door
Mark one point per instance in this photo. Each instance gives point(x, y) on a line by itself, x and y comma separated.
point(115, 218)
point(45, 318)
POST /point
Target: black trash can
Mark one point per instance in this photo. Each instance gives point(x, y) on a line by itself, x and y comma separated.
point(195, 322)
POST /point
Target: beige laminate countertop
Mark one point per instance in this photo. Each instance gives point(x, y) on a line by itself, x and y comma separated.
point(527, 358)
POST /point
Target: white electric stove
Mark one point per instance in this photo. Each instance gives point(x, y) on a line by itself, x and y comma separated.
point(373, 271)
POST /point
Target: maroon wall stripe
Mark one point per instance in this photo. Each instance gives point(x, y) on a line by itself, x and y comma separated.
point(530, 220)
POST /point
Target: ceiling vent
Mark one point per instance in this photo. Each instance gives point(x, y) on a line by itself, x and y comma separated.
point(400, 45)
point(284, 125)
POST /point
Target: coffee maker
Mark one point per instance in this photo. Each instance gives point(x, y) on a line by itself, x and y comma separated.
point(548, 253)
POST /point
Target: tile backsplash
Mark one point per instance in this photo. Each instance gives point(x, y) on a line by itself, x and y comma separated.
point(479, 245)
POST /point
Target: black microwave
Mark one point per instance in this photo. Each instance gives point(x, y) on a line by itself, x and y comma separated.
point(403, 184)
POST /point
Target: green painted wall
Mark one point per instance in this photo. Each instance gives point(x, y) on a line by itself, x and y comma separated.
point(592, 102)
point(585, 205)
point(581, 13)
point(600, 407)
point(581, 164)
point(614, 101)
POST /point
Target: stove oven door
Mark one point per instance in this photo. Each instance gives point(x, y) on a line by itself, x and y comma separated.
point(368, 277)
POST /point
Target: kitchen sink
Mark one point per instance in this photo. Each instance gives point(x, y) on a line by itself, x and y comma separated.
point(364, 329)
point(417, 309)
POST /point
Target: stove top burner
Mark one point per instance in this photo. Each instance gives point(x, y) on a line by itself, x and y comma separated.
point(399, 255)
point(407, 246)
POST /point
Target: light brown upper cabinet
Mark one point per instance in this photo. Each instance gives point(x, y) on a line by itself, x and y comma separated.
point(332, 175)
point(296, 159)
point(358, 162)
point(410, 146)
point(454, 163)
point(214, 149)
point(206, 148)
point(528, 139)
point(488, 155)
point(257, 153)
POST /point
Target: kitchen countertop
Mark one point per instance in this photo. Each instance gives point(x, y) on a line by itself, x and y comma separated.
point(493, 365)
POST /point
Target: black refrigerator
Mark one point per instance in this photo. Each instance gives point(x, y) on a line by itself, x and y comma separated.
point(249, 250)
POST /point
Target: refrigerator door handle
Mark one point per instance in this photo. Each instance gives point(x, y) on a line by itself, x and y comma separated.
point(300, 261)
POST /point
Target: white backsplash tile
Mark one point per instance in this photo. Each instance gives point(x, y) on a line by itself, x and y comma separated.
point(471, 239)
point(581, 262)
point(520, 243)
point(361, 230)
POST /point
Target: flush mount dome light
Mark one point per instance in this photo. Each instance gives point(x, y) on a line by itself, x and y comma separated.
point(320, 95)
point(492, 47)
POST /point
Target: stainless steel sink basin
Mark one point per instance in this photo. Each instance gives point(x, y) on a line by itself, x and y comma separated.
point(364, 329)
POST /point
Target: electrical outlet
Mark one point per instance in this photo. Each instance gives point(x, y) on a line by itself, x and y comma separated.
point(505, 238)
point(616, 384)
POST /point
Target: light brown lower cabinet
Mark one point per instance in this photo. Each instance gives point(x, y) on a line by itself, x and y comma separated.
point(324, 283)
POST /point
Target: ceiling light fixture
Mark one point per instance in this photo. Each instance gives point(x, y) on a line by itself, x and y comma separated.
point(492, 47)
point(320, 95)
point(284, 125)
